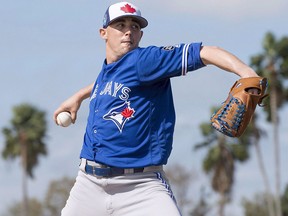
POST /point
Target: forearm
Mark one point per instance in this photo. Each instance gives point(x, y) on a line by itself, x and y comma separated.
point(85, 92)
point(73, 103)
point(211, 55)
point(75, 100)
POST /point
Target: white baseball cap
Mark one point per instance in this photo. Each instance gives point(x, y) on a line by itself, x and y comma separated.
point(123, 9)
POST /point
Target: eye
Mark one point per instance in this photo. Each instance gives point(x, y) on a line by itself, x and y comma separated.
point(120, 25)
point(136, 26)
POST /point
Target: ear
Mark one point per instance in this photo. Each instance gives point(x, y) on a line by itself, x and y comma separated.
point(103, 33)
point(142, 34)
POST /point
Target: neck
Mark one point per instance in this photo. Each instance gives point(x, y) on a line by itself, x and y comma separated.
point(112, 58)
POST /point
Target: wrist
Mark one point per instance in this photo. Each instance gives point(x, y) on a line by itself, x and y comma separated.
point(248, 73)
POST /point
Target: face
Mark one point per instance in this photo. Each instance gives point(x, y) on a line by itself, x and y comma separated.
point(121, 36)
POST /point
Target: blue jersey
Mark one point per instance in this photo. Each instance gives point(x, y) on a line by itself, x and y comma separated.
point(132, 117)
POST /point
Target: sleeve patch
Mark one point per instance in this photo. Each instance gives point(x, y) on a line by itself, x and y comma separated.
point(170, 48)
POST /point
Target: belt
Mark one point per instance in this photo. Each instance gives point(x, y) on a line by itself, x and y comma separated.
point(100, 170)
point(110, 171)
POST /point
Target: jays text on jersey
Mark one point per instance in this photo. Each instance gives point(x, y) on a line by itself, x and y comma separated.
point(132, 117)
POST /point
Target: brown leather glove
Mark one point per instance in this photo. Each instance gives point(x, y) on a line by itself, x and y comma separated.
point(236, 112)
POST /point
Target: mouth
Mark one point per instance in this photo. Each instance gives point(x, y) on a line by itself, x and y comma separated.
point(127, 42)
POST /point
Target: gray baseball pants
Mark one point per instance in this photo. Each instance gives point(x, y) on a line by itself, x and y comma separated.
point(138, 194)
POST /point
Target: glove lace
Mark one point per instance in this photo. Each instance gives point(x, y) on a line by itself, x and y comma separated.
point(236, 121)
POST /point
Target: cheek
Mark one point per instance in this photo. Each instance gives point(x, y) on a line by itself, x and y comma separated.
point(113, 38)
point(139, 35)
point(137, 38)
point(113, 43)
point(112, 34)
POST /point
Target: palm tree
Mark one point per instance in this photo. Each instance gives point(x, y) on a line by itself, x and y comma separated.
point(56, 196)
point(273, 64)
point(285, 201)
point(220, 160)
point(180, 179)
point(255, 133)
point(25, 139)
point(202, 208)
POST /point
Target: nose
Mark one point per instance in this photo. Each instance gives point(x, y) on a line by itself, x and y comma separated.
point(128, 31)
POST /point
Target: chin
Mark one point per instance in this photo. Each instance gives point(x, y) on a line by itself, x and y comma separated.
point(128, 49)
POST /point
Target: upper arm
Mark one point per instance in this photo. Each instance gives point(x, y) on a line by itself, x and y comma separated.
point(209, 53)
point(225, 61)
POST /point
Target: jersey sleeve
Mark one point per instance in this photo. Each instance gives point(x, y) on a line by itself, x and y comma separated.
point(157, 63)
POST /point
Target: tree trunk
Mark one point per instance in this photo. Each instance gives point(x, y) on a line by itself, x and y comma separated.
point(222, 204)
point(274, 118)
point(24, 176)
point(268, 194)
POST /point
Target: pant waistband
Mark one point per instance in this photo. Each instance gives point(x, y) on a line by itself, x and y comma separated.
point(101, 170)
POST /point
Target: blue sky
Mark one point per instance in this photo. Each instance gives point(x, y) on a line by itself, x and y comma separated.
point(50, 49)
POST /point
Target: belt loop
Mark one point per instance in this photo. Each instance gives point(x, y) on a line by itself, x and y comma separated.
point(129, 171)
point(83, 164)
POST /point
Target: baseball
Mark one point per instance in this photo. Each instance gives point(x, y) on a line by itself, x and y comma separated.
point(64, 119)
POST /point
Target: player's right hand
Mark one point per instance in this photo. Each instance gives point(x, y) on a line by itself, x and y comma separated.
point(73, 103)
point(70, 105)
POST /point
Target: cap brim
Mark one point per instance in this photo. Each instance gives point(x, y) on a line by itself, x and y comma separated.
point(142, 21)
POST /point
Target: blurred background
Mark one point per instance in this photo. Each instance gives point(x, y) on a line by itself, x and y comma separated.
point(51, 49)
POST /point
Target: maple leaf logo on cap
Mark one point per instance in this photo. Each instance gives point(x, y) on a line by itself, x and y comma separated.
point(128, 9)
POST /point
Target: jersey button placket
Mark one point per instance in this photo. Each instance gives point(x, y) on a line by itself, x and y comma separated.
point(94, 126)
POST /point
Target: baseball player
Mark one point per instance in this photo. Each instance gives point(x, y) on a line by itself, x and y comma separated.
point(130, 126)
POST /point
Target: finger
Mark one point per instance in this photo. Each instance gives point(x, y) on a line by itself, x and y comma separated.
point(55, 116)
point(73, 116)
point(56, 113)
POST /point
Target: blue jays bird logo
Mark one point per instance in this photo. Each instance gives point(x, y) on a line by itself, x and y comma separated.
point(120, 115)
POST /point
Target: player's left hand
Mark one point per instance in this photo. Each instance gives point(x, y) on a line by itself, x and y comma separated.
point(236, 112)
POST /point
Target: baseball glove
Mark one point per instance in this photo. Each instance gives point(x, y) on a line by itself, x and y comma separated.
point(236, 112)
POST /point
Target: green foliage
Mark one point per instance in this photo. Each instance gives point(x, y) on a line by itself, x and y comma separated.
point(222, 155)
point(217, 143)
point(180, 179)
point(208, 133)
point(35, 208)
point(206, 129)
point(55, 199)
point(56, 196)
point(11, 150)
point(240, 152)
point(28, 130)
point(211, 159)
point(284, 202)
point(258, 206)
point(273, 64)
point(202, 208)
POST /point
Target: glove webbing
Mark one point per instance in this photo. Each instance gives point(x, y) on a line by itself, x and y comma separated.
point(224, 126)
